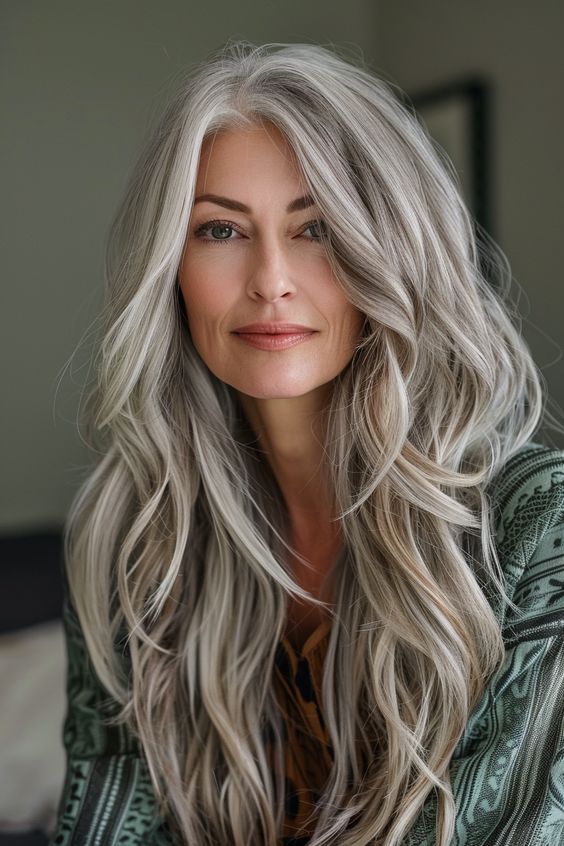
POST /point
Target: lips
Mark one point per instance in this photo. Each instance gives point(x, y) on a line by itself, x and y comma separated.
point(274, 336)
point(274, 328)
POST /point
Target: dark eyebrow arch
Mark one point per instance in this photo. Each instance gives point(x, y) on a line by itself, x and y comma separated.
point(296, 205)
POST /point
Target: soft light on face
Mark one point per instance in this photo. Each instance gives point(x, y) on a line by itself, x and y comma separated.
point(262, 264)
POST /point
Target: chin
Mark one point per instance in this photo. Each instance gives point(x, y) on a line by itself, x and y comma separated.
point(266, 389)
point(273, 394)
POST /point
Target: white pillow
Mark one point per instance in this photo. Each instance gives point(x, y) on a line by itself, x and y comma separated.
point(32, 709)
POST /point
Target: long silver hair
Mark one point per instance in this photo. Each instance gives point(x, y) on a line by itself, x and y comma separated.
point(179, 535)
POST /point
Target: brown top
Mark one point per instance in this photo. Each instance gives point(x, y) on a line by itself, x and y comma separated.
point(297, 681)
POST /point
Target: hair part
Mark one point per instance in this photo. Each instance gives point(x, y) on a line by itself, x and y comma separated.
point(178, 537)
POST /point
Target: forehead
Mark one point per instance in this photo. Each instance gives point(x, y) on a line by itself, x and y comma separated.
point(253, 134)
point(253, 146)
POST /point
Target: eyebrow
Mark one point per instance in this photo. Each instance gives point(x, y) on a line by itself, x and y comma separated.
point(296, 205)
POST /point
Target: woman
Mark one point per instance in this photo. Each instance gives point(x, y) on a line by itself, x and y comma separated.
point(315, 579)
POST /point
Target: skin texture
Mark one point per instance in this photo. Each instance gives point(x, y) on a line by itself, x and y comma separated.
point(270, 267)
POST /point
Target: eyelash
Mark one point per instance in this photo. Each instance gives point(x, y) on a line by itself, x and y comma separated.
point(198, 233)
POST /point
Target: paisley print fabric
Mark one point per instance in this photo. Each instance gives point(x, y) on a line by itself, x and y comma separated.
point(507, 770)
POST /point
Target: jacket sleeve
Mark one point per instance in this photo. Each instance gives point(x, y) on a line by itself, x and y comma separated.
point(107, 797)
point(507, 772)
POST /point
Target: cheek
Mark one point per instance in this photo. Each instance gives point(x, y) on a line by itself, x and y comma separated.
point(352, 320)
point(358, 321)
point(202, 303)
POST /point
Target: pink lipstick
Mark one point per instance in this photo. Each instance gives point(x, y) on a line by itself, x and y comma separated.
point(274, 341)
point(274, 335)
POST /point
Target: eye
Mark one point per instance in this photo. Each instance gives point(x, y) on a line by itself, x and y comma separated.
point(318, 223)
point(215, 224)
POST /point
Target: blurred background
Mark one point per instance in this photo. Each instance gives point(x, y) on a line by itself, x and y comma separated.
point(79, 84)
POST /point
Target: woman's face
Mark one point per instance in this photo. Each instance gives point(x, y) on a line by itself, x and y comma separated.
point(249, 257)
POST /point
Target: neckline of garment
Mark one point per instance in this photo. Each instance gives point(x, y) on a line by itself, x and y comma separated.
point(313, 640)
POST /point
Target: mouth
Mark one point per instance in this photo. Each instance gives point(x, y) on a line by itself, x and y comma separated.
point(273, 327)
point(274, 341)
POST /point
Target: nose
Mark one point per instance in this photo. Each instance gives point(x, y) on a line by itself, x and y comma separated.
point(270, 276)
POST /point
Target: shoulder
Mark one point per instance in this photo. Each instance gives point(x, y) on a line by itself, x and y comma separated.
point(528, 499)
point(529, 484)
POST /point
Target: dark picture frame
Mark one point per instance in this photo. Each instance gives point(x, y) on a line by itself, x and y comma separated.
point(458, 116)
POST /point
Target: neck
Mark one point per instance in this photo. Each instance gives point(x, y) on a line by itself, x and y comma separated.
point(291, 433)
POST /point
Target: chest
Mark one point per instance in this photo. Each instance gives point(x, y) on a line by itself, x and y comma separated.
point(302, 620)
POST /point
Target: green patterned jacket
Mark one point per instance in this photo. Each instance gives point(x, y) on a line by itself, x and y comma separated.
point(507, 771)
